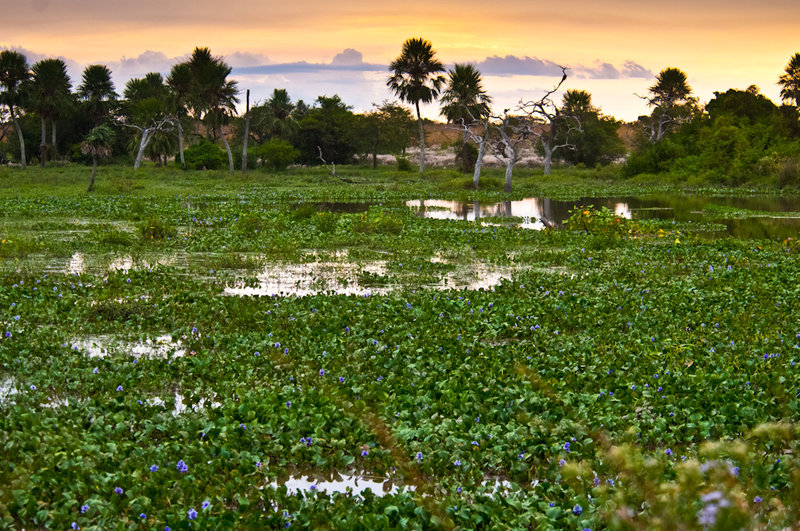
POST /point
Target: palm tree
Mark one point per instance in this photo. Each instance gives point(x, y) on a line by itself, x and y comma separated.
point(415, 78)
point(463, 99)
point(98, 145)
point(466, 103)
point(14, 72)
point(577, 103)
point(669, 95)
point(48, 93)
point(790, 81)
point(214, 96)
point(179, 82)
point(97, 92)
point(281, 107)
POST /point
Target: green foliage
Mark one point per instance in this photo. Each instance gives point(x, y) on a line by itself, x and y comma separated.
point(204, 155)
point(466, 156)
point(403, 164)
point(743, 138)
point(277, 154)
point(610, 386)
point(328, 127)
point(156, 228)
point(599, 222)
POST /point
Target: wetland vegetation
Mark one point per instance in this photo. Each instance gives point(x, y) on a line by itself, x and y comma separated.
point(625, 370)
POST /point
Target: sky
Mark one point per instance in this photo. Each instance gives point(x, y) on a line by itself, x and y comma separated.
point(613, 49)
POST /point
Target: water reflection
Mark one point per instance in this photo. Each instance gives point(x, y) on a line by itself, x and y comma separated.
point(540, 212)
point(102, 346)
point(380, 486)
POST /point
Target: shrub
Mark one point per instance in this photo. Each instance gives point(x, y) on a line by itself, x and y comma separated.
point(204, 156)
point(276, 154)
point(403, 164)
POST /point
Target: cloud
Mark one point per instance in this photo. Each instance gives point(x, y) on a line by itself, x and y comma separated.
point(348, 57)
point(74, 68)
point(349, 60)
point(245, 59)
point(511, 65)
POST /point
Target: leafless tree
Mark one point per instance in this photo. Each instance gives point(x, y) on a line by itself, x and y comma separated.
point(163, 125)
point(546, 120)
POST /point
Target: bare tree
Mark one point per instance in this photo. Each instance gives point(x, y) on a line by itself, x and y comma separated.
point(546, 119)
point(163, 125)
point(513, 131)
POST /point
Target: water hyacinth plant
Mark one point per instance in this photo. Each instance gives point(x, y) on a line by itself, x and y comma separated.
point(591, 379)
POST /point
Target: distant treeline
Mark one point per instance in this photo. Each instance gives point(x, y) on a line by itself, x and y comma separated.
point(188, 118)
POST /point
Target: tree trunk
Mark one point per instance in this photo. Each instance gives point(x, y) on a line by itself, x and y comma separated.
point(375, 159)
point(246, 133)
point(180, 144)
point(421, 141)
point(94, 173)
point(43, 145)
point(53, 136)
point(548, 157)
point(19, 136)
point(227, 149)
point(479, 162)
point(512, 159)
point(146, 135)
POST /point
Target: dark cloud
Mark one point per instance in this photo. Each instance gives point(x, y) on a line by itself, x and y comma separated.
point(511, 65)
point(349, 60)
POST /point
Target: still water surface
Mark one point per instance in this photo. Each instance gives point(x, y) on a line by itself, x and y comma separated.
point(743, 217)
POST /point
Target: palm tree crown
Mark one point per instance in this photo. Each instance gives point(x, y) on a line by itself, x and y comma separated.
point(414, 74)
point(464, 97)
point(790, 81)
point(49, 87)
point(96, 84)
point(670, 89)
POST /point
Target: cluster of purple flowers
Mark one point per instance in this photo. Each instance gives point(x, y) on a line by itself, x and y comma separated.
point(306, 440)
point(182, 467)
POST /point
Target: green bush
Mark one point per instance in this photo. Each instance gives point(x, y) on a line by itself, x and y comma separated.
point(204, 156)
point(403, 164)
point(276, 154)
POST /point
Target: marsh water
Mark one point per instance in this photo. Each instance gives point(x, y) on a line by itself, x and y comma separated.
point(768, 217)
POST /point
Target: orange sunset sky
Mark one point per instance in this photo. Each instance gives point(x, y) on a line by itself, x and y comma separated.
point(614, 48)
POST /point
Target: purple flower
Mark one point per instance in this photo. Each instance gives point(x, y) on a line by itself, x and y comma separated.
point(84, 508)
point(119, 388)
point(154, 468)
point(142, 516)
point(577, 510)
point(419, 457)
point(74, 525)
point(289, 404)
point(457, 462)
point(206, 504)
point(181, 467)
point(668, 451)
point(258, 464)
point(322, 372)
point(341, 379)
point(33, 388)
point(757, 499)
point(364, 453)
point(191, 514)
point(566, 446)
point(118, 490)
